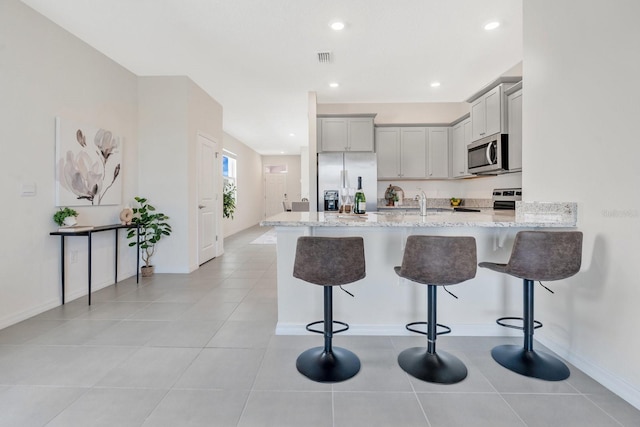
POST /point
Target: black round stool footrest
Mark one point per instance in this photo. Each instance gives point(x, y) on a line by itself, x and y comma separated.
point(318, 331)
point(445, 327)
point(500, 321)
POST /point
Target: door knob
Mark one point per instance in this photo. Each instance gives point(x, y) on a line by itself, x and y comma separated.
point(201, 206)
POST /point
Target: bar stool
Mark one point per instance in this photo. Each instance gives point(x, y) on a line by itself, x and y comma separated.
point(536, 255)
point(435, 261)
point(328, 262)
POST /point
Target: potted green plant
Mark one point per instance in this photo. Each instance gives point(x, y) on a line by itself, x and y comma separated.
point(152, 226)
point(228, 200)
point(65, 216)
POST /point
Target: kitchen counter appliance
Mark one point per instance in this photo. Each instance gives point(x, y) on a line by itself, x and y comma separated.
point(331, 200)
point(506, 198)
point(489, 156)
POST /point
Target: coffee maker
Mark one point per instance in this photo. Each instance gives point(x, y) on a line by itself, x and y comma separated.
point(331, 200)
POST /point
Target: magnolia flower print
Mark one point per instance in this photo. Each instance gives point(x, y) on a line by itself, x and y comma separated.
point(80, 138)
point(84, 174)
point(107, 145)
point(80, 175)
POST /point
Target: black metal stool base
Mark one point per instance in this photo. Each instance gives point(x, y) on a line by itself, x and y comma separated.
point(535, 364)
point(328, 367)
point(441, 367)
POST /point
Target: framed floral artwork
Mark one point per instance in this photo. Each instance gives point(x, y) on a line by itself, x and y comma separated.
point(88, 165)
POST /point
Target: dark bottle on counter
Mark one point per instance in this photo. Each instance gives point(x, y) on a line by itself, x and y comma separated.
point(359, 200)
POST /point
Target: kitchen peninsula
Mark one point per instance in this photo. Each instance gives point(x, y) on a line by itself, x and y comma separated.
point(383, 303)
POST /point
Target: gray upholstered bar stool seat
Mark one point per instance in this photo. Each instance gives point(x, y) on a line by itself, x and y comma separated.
point(541, 256)
point(328, 262)
point(435, 261)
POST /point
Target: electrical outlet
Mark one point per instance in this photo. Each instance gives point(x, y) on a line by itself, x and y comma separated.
point(74, 257)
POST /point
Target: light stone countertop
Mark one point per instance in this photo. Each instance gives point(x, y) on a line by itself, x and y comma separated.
point(434, 218)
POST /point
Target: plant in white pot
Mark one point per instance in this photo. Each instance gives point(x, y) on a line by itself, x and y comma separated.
point(65, 217)
point(152, 227)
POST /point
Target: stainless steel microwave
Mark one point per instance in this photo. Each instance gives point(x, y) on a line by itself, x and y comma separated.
point(489, 155)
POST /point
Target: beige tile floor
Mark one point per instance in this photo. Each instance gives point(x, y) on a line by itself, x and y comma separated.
point(200, 350)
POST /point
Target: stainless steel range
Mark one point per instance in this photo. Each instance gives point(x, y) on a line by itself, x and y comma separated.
point(506, 198)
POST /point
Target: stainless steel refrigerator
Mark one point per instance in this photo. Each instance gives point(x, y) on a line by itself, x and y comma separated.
point(331, 175)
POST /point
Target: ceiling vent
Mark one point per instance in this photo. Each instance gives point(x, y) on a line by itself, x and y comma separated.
point(324, 57)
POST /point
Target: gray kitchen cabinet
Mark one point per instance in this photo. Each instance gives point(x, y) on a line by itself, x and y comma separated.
point(460, 138)
point(401, 152)
point(514, 111)
point(438, 152)
point(346, 134)
point(478, 119)
point(388, 152)
point(487, 114)
point(489, 109)
point(412, 152)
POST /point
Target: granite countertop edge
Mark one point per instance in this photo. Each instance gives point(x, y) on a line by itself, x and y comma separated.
point(531, 214)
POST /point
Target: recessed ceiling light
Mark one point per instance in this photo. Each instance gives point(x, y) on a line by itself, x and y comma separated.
point(337, 26)
point(435, 84)
point(292, 134)
point(492, 25)
point(334, 84)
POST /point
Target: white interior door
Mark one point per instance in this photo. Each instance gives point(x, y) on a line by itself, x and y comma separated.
point(207, 199)
point(275, 188)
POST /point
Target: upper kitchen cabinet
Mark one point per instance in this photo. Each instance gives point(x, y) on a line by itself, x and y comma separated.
point(460, 138)
point(489, 109)
point(412, 152)
point(401, 152)
point(345, 133)
point(514, 110)
point(388, 152)
point(438, 153)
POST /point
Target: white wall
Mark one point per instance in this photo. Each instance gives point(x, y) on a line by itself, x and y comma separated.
point(304, 172)
point(580, 143)
point(46, 72)
point(205, 117)
point(163, 163)
point(312, 159)
point(172, 110)
point(293, 184)
point(250, 204)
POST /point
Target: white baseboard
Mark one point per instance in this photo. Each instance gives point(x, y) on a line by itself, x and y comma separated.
point(26, 314)
point(616, 384)
point(55, 302)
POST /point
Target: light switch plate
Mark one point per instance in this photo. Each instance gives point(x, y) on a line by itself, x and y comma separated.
point(28, 189)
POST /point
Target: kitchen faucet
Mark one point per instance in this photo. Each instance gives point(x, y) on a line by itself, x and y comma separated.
point(423, 203)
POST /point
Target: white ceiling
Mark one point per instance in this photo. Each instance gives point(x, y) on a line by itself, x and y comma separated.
point(258, 58)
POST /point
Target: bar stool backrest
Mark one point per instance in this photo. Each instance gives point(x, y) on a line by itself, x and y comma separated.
point(329, 261)
point(439, 260)
point(545, 255)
